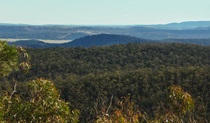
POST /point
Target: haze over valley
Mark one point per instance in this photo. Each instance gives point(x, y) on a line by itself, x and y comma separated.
point(65, 33)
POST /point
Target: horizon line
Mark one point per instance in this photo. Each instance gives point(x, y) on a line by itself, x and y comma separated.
point(57, 24)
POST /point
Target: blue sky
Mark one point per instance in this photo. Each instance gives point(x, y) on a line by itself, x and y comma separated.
point(103, 12)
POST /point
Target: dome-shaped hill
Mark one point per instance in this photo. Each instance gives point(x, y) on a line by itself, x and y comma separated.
point(104, 40)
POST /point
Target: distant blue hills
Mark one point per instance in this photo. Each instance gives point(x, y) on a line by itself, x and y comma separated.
point(32, 44)
point(87, 41)
point(197, 32)
point(175, 25)
point(182, 25)
point(183, 30)
point(105, 40)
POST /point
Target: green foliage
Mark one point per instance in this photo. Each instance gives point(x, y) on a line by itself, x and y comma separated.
point(8, 59)
point(24, 60)
point(43, 103)
point(85, 75)
point(12, 58)
point(147, 88)
point(52, 61)
point(42, 106)
point(125, 113)
point(179, 108)
point(180, 101)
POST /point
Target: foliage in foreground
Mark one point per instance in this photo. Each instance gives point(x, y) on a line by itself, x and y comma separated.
point(8, 59)
point(176, 110)
point(43, 103)
point(144, 71)
point(179, 107)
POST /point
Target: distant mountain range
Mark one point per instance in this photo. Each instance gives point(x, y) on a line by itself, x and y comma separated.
point(87, 41)
point(184, 30)
point(105, 40)
point(182, 25)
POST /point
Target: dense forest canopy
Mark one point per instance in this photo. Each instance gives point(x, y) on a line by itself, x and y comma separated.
point(82, 61)
point(42, 103)
point(96, 80)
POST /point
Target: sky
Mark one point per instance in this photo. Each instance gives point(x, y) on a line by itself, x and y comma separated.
point(103, 12)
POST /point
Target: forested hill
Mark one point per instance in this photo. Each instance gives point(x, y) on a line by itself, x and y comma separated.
point(89, 77)
point(82, 61)
point(32, 44)
point(104, 40)
point(87, 41)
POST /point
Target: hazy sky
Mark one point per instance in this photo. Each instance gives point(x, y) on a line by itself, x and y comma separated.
point(100, 12)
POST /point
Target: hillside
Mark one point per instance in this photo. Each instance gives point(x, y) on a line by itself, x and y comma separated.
point(104, 40)
point(32, 44)
point(130, 56)
point(87, 76)
point(87, 41)
point(183, 30)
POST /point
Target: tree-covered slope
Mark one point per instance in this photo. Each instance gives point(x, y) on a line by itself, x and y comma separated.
point(104, 40)
point(90, 77)
point(31, 43)
point(81, 60)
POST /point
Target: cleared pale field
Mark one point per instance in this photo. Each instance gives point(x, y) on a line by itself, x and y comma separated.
point(47, 41)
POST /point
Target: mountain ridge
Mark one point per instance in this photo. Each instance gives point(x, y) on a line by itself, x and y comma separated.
point(183, 30)
point(105, 40)
point(202, 23)
point(182, 25)
point(87, 41)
